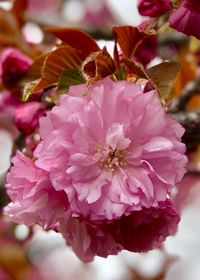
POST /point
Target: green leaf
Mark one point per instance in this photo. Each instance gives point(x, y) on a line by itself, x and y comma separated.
point(163, 76)
point(68, 78)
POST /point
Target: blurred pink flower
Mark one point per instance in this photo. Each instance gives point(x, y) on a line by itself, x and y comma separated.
point(187, 191)
point(154, 8)
point(8, 105)
point(4, 275)
point(34, 200)
point(100, 16)
point(141, 231)
point(26, 116)
point(13, 66)
point(146, 50)
point(112, 151)
point(186, 18)
point(44, 6)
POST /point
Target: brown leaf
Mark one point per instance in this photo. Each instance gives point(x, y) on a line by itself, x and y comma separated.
point(59, 60)
point(116, 57)
point(18, 9)
point(163, 76)
point(75, 38)
point(98, 65)
point(135, 68)
point(9, 29)
point(128, 38)
point(104, 64)
point(35, 69)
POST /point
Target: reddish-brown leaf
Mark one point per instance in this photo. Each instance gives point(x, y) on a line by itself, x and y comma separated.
point(18, 9)
point(161, 76)
point(9, 29)
point(98, 65)
point(128, 38)
point(35, 70)
point(116, 56)
point(75, 38)
point(61, 59)
point(135, 68)
point(104, 64)
point(58, 61)
point(42, 84)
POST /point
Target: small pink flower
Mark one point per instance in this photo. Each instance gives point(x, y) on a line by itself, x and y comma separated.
point(141, 231)
point(153, 8)
point(27, 116)
point(34, 200)
point(113, 151)
point(13, 67)
point(186, 18)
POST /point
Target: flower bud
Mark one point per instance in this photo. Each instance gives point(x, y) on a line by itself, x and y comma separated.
point(186, 18)
point(27, 116)
point(153, 8)
point(13, 67)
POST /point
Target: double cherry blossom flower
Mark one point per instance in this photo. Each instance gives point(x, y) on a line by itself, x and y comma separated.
point(103, 171)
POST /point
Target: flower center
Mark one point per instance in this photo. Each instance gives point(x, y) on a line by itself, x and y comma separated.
point(113, 160)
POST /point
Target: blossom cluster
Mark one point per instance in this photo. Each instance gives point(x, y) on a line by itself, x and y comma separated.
point(103, 170)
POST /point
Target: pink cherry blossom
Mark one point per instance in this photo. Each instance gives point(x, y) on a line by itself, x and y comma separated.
point(112, 151)
point(141, 231)
point(34, 200)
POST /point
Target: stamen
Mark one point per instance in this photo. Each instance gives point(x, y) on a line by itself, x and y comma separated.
point(114, 159)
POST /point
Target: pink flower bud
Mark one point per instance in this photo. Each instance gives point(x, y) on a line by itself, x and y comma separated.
point(27, 116)
point(153, 8)
point(186, 18)
point(13, 67)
